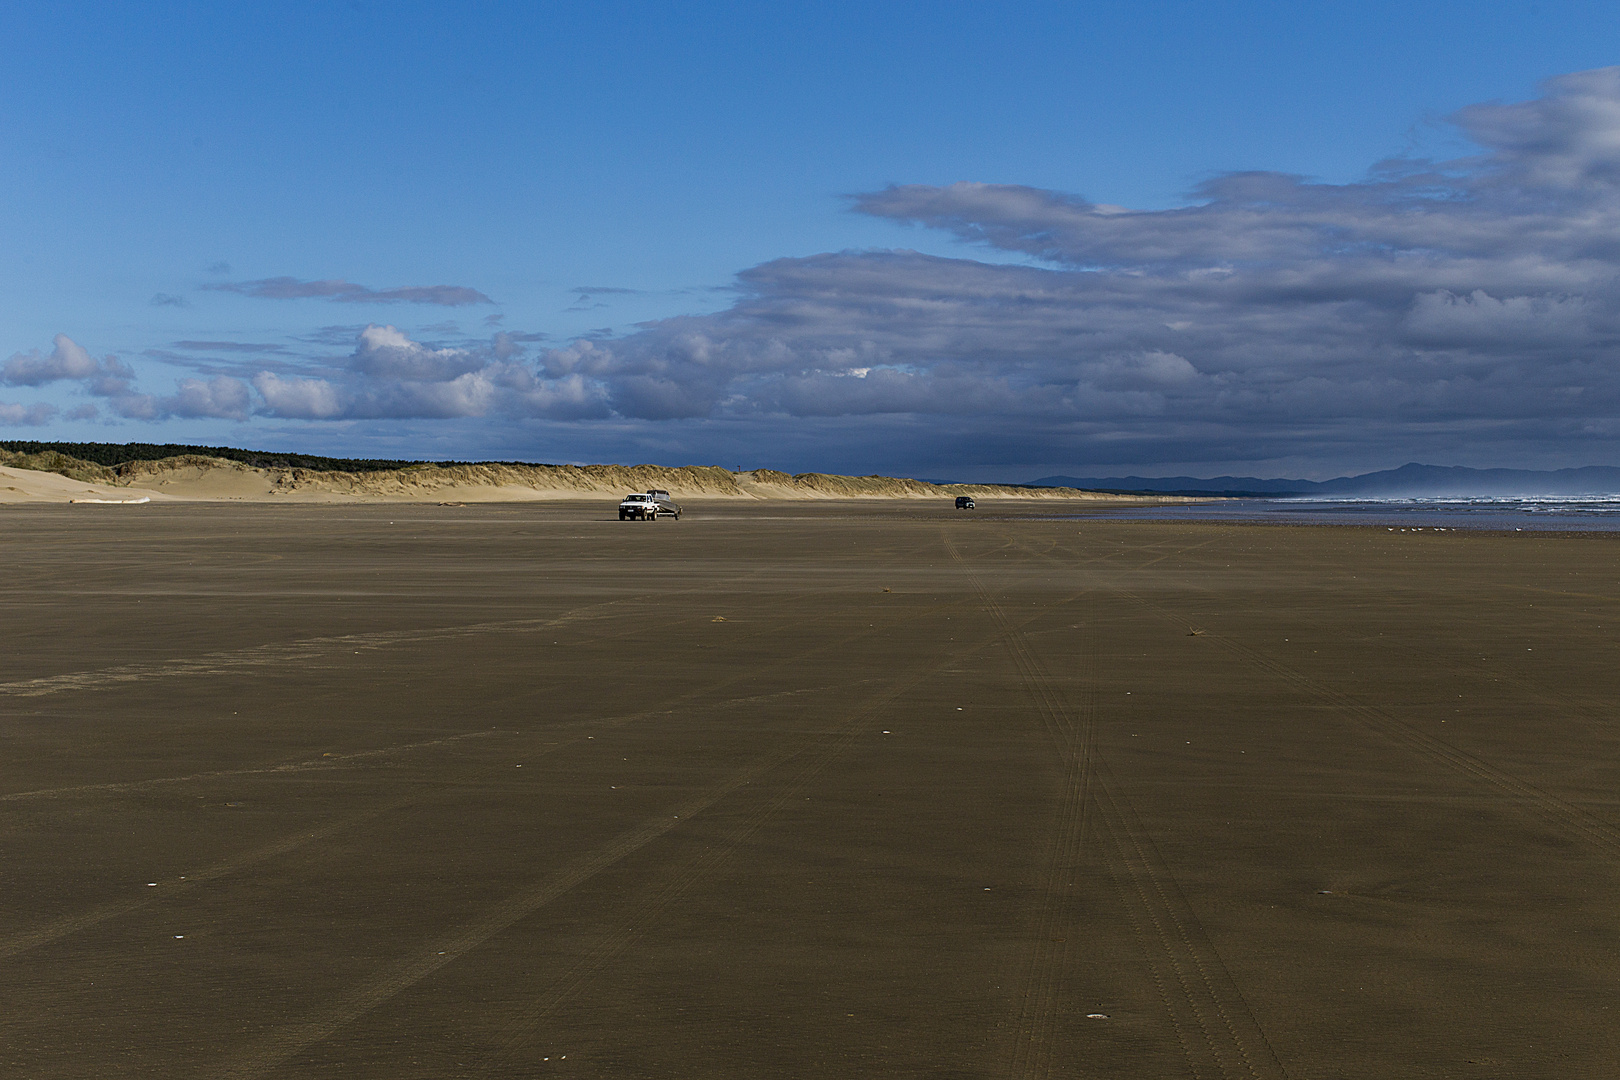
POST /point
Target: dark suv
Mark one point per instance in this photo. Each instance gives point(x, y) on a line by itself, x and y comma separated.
point(964, 502)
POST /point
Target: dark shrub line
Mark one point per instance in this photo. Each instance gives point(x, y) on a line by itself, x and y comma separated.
point(115, 454)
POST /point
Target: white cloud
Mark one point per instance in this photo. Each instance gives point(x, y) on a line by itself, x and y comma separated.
point(66, 360)
point(385, 353)
point(29, 415)
point(298, 399)
point(392, 377)
point(220, 397)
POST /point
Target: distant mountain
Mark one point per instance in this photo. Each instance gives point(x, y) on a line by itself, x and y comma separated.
point(1412, 480)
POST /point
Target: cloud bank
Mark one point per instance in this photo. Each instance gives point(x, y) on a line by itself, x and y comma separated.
point(1465, 304)
point(113, 380)
point(391, 377)
point(1466, 310)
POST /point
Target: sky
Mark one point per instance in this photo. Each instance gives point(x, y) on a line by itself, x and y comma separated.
point(949, 240)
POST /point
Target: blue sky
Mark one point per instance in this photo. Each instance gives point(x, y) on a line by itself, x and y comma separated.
point(852, 237)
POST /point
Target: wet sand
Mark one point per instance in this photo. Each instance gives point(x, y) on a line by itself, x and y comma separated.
point(802, 790)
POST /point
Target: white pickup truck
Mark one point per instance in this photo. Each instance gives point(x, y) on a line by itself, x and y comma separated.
point(648, 505)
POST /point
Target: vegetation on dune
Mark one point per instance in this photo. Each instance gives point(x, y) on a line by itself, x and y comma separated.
point(137, 463)
point(112, 455)
point(55, 461)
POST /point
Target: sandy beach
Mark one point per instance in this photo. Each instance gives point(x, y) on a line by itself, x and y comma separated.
point(801, 789)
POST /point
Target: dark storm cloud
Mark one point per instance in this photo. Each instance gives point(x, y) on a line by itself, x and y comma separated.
point(1474, 299)
point(347, 292)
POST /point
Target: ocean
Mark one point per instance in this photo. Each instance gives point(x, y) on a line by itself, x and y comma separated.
point(1528, 513)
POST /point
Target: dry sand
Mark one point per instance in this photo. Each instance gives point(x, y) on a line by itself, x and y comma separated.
point(32, 486)
point(802, 790)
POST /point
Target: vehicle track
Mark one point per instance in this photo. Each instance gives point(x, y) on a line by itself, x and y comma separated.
point(15, 944)
point(331, 761)
point(1194, 984)
point(646, 911)
point(1073, 738)
point(1563, 816)
point(407, 971)
point(66, 925)
point(166, 889)
point(324, 763)
point(278, 654)
point(1214, 1025)
point(650, 906)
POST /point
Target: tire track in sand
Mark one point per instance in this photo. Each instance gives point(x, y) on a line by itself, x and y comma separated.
point(649, 907)
point(324, 763)
point(165, 889)
point(329, 761)
point(304, 650)
point(1193, 982)
point(1034, 1046)
point(631, 926)
point(280, 654)
point(15, 944)
point(409, 970)
point(66, 925)
point(1213, 1023)
point(1563, 816)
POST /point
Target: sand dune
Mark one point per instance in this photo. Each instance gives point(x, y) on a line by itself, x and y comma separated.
point(207, 478)
point(33, 486)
